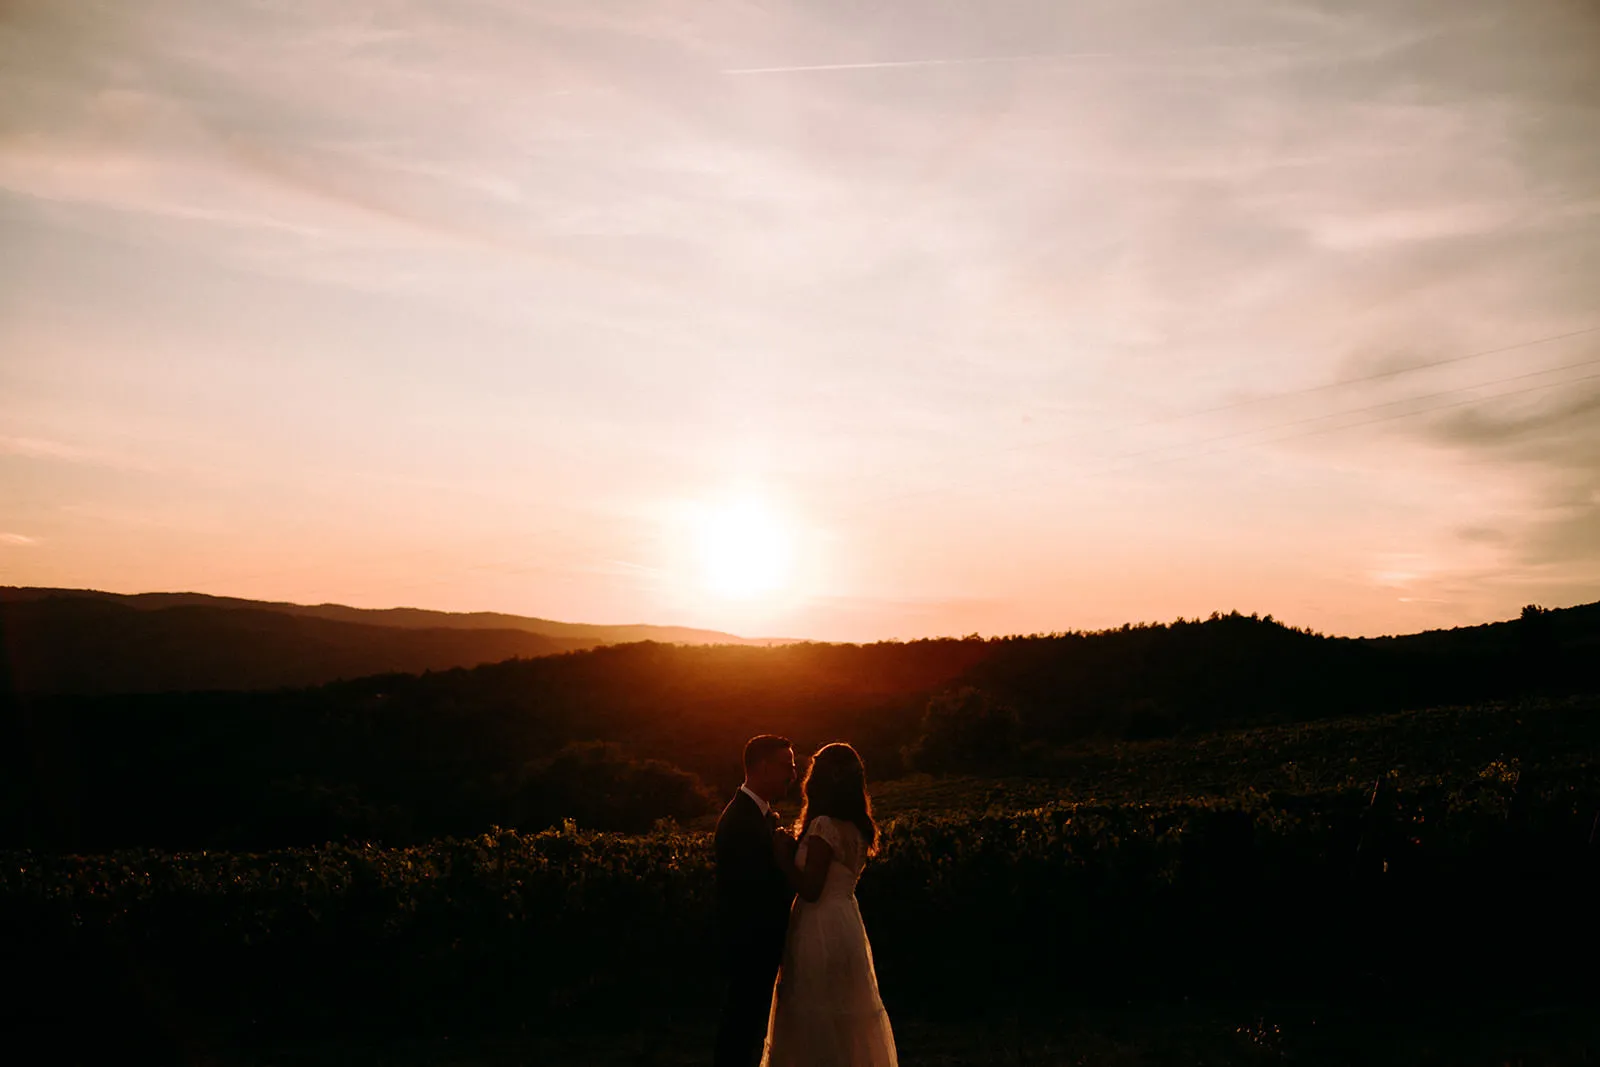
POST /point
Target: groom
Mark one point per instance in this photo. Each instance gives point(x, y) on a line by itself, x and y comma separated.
point(753, 899)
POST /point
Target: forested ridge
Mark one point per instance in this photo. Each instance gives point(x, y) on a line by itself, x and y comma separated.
point(88, 641)
point(621, 736)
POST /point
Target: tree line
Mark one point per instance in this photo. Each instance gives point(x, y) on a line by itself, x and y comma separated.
point(623, 737)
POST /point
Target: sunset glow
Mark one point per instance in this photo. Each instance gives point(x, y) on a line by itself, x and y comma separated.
point(521, 506)
point(1030, 316)
point(745, 551)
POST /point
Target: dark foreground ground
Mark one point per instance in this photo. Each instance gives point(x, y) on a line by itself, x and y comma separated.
point(1416, 889)
point(1129, 1035)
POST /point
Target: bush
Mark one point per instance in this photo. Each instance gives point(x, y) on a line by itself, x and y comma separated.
point(599, 786)
point(1324, 890)
point(965, 729)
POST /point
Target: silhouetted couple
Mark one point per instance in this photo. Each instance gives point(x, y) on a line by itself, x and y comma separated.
point(801, 987)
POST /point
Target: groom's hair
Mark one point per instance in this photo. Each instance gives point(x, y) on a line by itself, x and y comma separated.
point(759, 749)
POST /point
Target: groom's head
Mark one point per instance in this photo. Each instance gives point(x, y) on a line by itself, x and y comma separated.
point(769, 765)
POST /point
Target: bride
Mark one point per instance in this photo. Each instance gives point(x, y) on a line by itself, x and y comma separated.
point(825, 1007)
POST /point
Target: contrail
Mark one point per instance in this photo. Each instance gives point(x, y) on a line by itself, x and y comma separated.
point(898, 63)
point(1001, 59)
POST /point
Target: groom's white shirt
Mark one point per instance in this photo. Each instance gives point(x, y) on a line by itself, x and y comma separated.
point(762, 804)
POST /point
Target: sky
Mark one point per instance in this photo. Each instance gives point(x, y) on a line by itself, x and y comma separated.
point(838, 320)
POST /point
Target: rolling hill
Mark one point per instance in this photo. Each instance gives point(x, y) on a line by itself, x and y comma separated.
point(87, 641)
point(395, 755)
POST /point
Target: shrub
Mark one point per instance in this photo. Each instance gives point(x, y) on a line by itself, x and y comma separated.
point(599, 786)
point(965, 729)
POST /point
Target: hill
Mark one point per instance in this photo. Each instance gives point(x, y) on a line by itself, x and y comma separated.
point(87, 641)
point(620, 735)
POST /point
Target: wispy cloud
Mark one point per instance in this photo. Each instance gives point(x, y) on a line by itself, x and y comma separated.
point(571, 249)
point(1045, 57)
point(36, 446)
point(17, 539)
point(1552, 428)
point(1554, 440)
point(64, 452)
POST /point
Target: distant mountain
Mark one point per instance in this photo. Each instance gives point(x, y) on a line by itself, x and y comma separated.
point(87, 641)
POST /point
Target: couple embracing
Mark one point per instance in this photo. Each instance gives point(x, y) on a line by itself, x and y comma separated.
point(801, 987)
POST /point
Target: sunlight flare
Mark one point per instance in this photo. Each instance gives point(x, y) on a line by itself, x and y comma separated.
point(746, 550)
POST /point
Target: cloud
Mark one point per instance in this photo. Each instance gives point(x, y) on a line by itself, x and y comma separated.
point(1112, 214)
point(1558, 432)
point(36, 446)
point(1553, 443)
point(1369, 230)
point(44, 448)
point(1481, 534)
point(1569, 539)
point(1164, 55)
point(17, 539)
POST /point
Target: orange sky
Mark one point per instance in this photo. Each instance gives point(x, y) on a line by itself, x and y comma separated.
point(811, 319)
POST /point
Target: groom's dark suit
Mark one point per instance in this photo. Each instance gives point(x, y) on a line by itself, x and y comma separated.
point(753, 900)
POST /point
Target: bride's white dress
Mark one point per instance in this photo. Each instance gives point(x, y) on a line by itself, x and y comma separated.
point(825, 1007)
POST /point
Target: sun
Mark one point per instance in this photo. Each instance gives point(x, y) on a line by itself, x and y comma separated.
point(746, 551)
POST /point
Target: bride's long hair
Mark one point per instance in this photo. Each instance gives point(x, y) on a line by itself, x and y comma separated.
point(836, 786)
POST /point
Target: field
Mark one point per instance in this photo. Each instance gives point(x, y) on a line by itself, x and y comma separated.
point(1088, 1035)
point(1408, 749)
point(1415, 888)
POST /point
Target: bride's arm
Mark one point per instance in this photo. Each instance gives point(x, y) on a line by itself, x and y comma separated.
point(806, 881)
